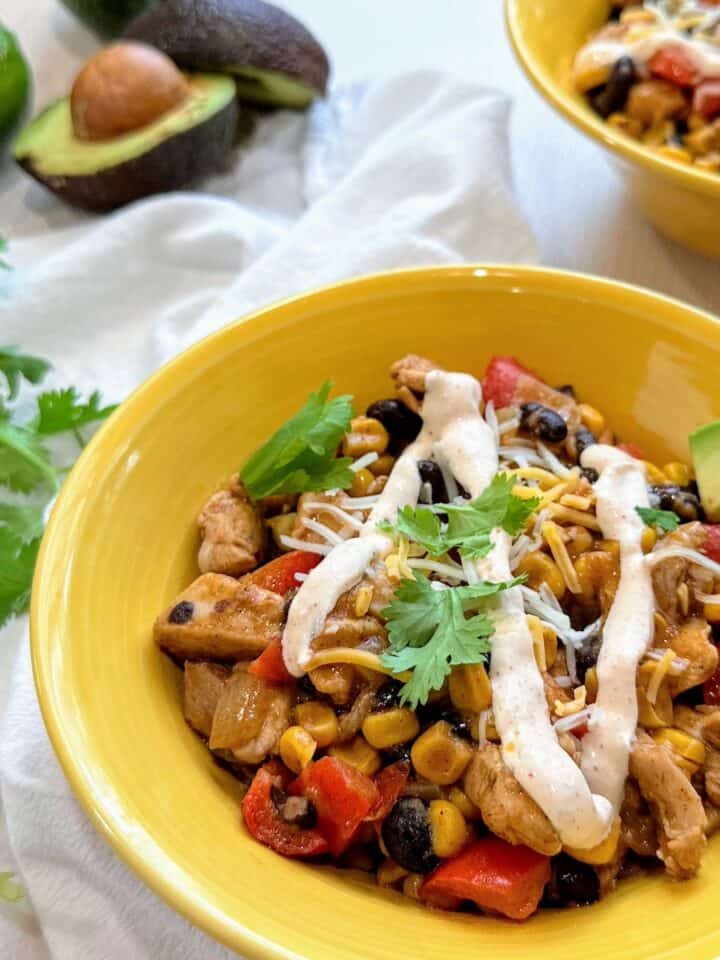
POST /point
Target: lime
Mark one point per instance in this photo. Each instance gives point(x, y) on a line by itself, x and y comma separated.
point(14, 84)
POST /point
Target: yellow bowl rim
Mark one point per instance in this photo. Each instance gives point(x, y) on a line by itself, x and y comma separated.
point(596, 128)
point(103, 815)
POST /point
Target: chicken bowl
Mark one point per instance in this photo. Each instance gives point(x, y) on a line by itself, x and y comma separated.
point(451, 638)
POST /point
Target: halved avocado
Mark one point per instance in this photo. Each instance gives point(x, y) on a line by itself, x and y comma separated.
point(185, 143)
point(273, 57)
point(106, 17)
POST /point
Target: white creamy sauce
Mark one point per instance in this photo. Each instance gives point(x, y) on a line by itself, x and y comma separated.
point(628, 630)
point(604, 53)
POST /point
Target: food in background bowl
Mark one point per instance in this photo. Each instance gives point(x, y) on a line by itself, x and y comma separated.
point(653, 72)
point(463, 641)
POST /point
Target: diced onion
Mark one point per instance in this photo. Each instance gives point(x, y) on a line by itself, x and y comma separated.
point(565, 724)
point(364, 461)
point(292, 543)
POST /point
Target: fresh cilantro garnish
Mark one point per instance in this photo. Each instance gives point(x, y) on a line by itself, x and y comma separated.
point(4, 265)
point(62, 410)
point(15, 365)
point(468, 524)
point(429, 633)
point(300, 457)
point(24, 462)
point(10, 891)
point(25, 522)
point(17, 563)
point(665, 520)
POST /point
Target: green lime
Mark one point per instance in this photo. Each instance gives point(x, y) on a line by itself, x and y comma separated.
point(14, 84)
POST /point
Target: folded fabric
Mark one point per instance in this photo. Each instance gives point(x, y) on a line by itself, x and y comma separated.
point(414, 171)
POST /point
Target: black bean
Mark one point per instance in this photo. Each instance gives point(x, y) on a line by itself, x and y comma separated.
point(543, 422)
point(305, 689)
point(458, 724)
point(182, 612)
point(583, 439)
point(298, 811)
point(407, 836)
point(575, 882)
point(431, 473)
point(400, 421)
point(612, 97)
point(681, 501)
point(398, 753)
point(586, 656)
point(568, 389)
point(590, 474)
point(387, 695)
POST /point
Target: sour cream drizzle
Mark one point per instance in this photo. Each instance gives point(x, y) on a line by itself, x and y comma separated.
point(628, 629)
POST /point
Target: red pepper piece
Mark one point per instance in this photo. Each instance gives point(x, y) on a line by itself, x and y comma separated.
point(270, 665)
point(673, 64)
point(265, 824)
point(279, 574)
point(501, 378)
point(390, 783)
point(706, 99)
point(495, 875)
point(711, 547)
point(342, 795)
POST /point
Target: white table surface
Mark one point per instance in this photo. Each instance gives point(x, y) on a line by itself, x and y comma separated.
point(571, 196)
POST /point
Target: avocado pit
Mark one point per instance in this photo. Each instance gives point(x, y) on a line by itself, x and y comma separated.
point(123, 88)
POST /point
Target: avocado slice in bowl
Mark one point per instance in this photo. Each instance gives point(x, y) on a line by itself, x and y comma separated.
point(275, 60)
point(14, 85)
point(99, 150)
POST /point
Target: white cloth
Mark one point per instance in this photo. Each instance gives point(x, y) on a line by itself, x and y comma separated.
point(414, 171)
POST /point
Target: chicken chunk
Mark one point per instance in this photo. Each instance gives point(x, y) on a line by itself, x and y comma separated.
point(411, 371)
point(668, 575)
point(203, 684)
point(702, 727)
point(638, 824)
point(692, 641)
point(220, 618)
point(675, 804)
point(250, 717)
point(505, 807)
point(232, 533)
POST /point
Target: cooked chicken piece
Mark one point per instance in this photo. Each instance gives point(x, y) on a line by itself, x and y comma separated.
point(220, 618)
point(350, 632)
point(305, 511)
point(692, 641)
point(349, 723)
point(670, 574)
point(713, 818)
point(505, 807)
point(608, 872)
point(696, 724)
point(203, 686)
point(677, 808)
point(712, 774)
point(411, 371)
point(354, 620)
point(638, 824)
point(336, 680)
point(711, 728)
point(250, 717)
point(232, 533)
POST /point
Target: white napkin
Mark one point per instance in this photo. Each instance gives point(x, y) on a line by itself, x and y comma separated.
point(414, 171)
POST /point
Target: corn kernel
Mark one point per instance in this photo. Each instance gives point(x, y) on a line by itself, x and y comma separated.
point(711, 612)
point(319, 720)
point(604, 852)
point(551, 645)
point(282, 525)
point(389, 873)
point(591, 418)
point(637, 15)
point(382, 466)
point(609, 546)
point(654, 473)
point(566, 708)
point(448, 828)
point(648, 539)
point(578, 540)
point(412, 884)
point(678, 473)
point(470, 688)
point(359, 754)
point(439, 756)
point(464, 804)
point(594, 568)
point(390, 727)
point(591, 685)
point(541, 569)
point(361, 483)
point(363, 599)
point(682, 744)
point(296, 748)
point(366, 435)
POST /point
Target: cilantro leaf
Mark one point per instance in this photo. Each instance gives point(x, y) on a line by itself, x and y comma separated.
point(429, 633)
point(14, 365)
point(62, 410)
point(25, 522)
point(300, 456)
point(24, 462)
point(17, 563)
point(4, 265)
point(10, 891)
point(665, 520)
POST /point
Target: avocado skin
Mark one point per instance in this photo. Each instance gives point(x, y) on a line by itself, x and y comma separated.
point(106, 17)
point(171, 165)
point(217, 35)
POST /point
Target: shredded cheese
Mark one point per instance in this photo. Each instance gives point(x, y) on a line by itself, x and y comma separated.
point(452, 571)
point(545, 479)
point(293, 543)
point(363, 599)
point(364, 461)
point(678, 666)
point(660, 671)
point(568, 515)
point(322, 531)
point(553, 537)
point(575, 501)
point(685, 553)
point(552, 462)
point(396, 563)
point(353, 656)
point(567, 709)
point(338, 512)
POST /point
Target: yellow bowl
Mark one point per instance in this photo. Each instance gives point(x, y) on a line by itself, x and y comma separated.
point(121, 544)
point(681, 200)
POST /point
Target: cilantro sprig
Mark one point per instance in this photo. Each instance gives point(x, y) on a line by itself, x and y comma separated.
point(300, 456)
point(665, 520)
point(27, 469)
point(429, 632)
point(468, 525)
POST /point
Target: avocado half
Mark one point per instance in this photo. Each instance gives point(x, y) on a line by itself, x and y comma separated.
point(106, 17)
point(275, 60)
point(188, 142)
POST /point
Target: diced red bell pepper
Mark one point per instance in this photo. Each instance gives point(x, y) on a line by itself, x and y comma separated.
point(672, 63)
point(711, 547)
point(495, 875)
point(501, 378)
point(342, 795)
point(390, 783)
point(279, 574)
point(270, 665)
point(706, 99)
point(580, 730)
point(265, 824)
point(632, 450)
